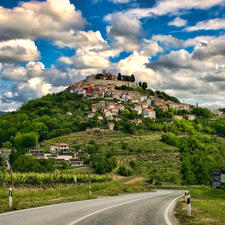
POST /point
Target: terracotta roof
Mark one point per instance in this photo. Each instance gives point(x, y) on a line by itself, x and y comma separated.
point(149, 110)
point(62, 144)
point(5, 150)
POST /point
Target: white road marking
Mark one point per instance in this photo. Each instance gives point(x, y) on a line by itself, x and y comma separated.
point(110, 207)
point(166, 213)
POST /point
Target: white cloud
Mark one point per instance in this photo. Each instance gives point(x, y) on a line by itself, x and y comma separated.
point(81, 39)
point(135, 64)
point(164, 7)
point(93, 52)
point(178, 22)
point(195, 76)
point(18, 51)
point(212, 24)
point(168, 41)
point(213, 105)
point(123, 32)
point(54, 20)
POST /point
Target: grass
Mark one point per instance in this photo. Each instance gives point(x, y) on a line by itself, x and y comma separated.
point(208, 207)
point(27, 197)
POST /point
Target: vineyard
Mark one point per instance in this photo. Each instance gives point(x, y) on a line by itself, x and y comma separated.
point(50, 178)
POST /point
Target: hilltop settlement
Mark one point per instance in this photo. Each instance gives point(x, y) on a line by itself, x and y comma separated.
point(120, 91)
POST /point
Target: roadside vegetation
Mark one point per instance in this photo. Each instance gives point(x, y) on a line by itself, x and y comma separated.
point(28, 196)
point(207, 207)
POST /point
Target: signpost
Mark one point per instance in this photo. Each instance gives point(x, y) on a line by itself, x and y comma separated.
point(10, 197)
point(189, 204)
point(89, 188)
point(75, 180)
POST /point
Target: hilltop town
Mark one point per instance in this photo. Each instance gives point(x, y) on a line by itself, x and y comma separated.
point(117, 92)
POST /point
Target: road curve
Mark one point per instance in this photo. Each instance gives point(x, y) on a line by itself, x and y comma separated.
point(132, 209)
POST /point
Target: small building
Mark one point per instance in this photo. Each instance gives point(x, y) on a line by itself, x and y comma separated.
point(94, 108)
point(191, 117)
point(107, 113)
point(163, 107)
point(33, 152)
point(5, 152)
point(143, 98)
point(114, 112)
point(111, 126)
point(76, 162)
point(184, 107)
point(60, 147)
point(138, 109)
point(100, 118)
point(173, 105)
point(178, 117)
point(91, 115)
point(149, 102)
point(149, 113)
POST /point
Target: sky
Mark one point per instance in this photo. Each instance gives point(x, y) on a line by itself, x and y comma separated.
point(175, 46)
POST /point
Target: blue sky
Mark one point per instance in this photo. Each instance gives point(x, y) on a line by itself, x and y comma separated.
point(176, 46)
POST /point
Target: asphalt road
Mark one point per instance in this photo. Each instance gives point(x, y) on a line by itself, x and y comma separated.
point(133, 209)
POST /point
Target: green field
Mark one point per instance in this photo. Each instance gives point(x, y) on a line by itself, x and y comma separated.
point(208, 207)
point(151, 155)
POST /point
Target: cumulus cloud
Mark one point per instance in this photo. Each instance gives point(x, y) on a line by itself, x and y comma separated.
point(213, 105)
point(33, 81)
point(91, 53)
point(197, 75)
point(18, 51)
point(178, 22)
point(171, 42)
point(212, 24)
point(123, 32)
point(164, 7)
point(54, 20)
point(168, 41)
point(135, 64)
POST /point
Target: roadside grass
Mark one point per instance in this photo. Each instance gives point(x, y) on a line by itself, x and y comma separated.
point(208, 207)
point(28, 197)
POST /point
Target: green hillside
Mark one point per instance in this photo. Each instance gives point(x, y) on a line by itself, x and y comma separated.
point(161, 149)
point(146, 154)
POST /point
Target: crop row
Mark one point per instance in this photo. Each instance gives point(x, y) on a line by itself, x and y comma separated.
point(48, 178)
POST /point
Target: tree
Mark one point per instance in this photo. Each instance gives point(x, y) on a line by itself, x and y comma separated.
point(27, 163)
point(27, 140)
point(202, 112)
point(132, 78)
point(119, 77)
point(2, 161)
point(140, 84)
point(124, 171)
point(7, 144)
point(144, 86)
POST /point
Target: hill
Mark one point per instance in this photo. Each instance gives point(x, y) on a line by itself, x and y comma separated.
point(151, 133)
